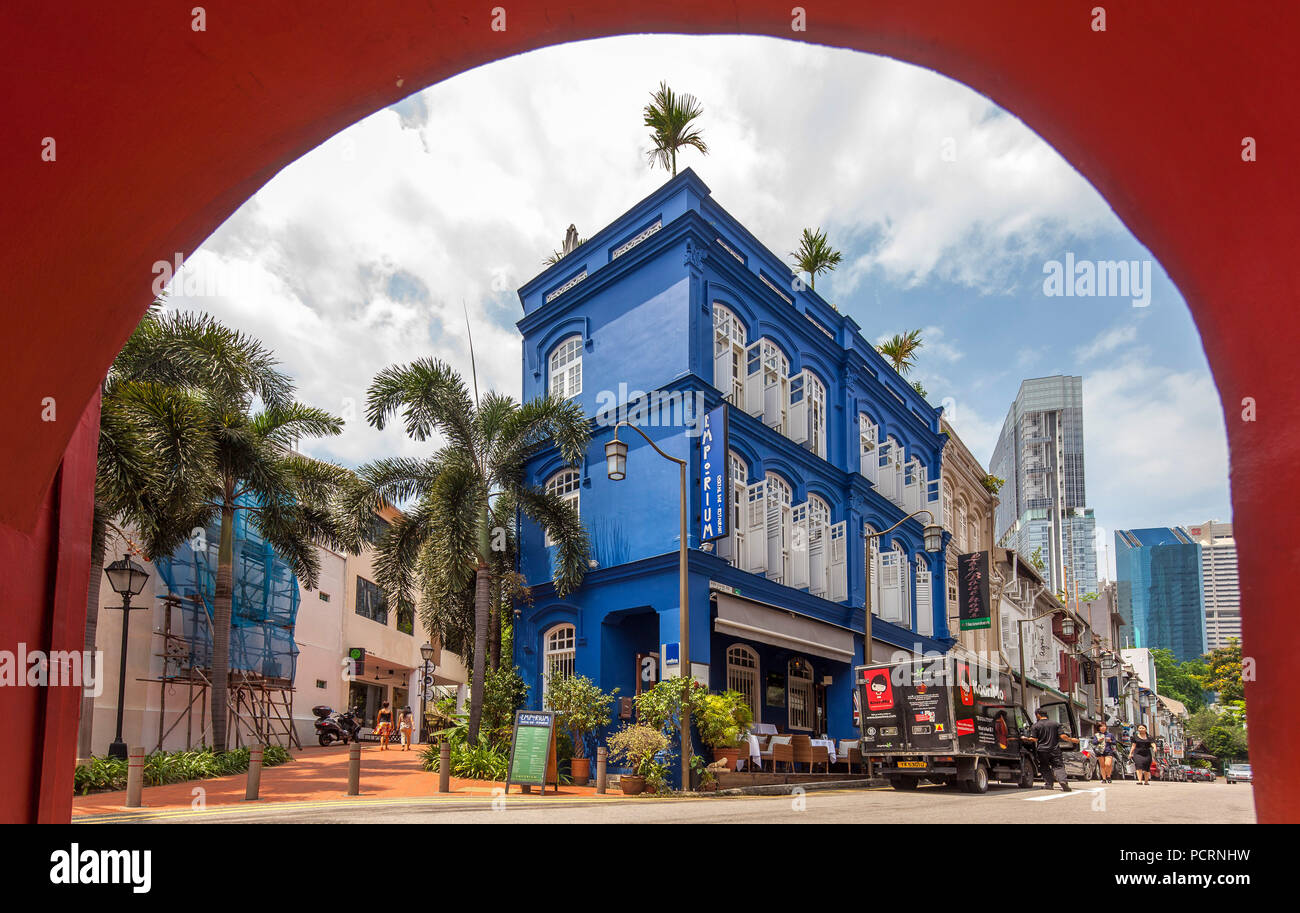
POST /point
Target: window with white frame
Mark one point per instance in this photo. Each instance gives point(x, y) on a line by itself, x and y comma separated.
point(961, 529)
point(566, 368)
point(947, 509)
point(742, 675)
point(808, 412)
point(728, 354)
point(732, 546)
point(567, 484)
point(818, 539)
point(557, 655)
point(895, 587)
point(779, 528)
point(868, 459)
point(872, 557)
point(924, 598)
point(767, 384)
point(799, 693)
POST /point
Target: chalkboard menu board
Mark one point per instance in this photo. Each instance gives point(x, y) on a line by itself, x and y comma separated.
point(532, 750)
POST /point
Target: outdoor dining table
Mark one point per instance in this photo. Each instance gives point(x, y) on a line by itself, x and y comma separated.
point(754, 752)
point(829, 744)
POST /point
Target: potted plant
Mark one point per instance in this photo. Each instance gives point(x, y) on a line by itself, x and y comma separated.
point(722, 720)
point(638, 745)
point(581, 708)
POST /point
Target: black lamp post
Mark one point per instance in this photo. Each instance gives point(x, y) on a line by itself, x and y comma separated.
point(427, 653)
point(127, 579)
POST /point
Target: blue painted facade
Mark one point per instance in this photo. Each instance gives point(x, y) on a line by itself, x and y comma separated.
point(640, 297)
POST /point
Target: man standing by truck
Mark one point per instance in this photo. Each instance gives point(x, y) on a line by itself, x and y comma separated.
point(1047, 737)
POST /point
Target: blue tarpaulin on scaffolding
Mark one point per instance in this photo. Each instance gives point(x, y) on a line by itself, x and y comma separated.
point(264, 608)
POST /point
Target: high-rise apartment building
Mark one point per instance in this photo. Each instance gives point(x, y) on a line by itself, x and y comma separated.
point(1219, 582)
point(1043, 508)
point(1158, 580)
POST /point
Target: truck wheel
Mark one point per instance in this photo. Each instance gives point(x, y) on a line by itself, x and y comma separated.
point(979, 779)
point(1026, 778)
point(903, 783)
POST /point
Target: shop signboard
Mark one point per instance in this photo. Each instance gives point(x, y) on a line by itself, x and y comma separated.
point(973, 591)
point(532, 750)
point(715, 516)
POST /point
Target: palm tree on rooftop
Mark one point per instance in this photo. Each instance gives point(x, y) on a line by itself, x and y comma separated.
point(815, 254)
point(454, 542)
point(670, 118)
point(900, 349)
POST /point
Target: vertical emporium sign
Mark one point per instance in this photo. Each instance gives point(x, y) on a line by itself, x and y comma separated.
point(714, 489)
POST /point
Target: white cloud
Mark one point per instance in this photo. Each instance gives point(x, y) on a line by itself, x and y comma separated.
point(1107, 341)
point(364, 249)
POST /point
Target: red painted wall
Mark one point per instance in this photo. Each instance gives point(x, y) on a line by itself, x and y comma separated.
point(161, 132)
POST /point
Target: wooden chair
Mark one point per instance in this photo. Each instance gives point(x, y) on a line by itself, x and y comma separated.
point(821, 755)
point(802, 746)
point(849, 754)
point(778, 749)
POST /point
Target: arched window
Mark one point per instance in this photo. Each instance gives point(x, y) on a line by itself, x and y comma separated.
point(780, 526)
point(808, 412)
point(924, 598)
point(799, 693)
point(557, 655)
point(567, 484)
point(742, 674)
point(566, 368)
point(728, 354)
point(868, 460)
point(767, 384)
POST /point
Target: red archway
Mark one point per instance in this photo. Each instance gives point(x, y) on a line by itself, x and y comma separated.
point(159, 132)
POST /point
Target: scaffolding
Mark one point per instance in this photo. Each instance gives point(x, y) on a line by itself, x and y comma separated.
point(263, 655)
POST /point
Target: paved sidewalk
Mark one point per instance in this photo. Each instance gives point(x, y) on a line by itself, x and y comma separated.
point(315, 775)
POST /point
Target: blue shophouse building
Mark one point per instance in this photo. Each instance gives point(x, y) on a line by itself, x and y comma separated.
point(671, 311)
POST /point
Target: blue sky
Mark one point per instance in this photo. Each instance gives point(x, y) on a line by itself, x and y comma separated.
point(361, 253)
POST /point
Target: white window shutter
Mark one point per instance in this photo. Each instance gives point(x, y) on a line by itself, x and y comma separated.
point(798, 409)
point(722, 367)
point(924, 603)
point(873, 555)
point(838, 580)
point(755, 559)
point(775, 398)
point(799, 548)
point(869, 461)
point(778, 536)
point(891, 606)
point(724, 547)
point(754, 380)
point(817, 558)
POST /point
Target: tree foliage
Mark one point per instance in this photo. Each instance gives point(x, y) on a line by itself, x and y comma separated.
point(900, 350)
point(671, 118)
point(1181, 681)
point(815, 255)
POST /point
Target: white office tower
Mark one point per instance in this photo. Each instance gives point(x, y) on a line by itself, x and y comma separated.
point(1219, 582)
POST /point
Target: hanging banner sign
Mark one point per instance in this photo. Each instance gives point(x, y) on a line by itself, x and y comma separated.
point(973, 591)
point(715, 515)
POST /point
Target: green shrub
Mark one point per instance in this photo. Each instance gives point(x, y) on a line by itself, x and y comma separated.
point(163, 767)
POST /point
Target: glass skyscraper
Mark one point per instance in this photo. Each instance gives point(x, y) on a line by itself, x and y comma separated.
point(1159, 591)
point(1042, 507)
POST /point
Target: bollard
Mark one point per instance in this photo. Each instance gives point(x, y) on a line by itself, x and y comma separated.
point(444, 767)
point(354, 769)
point(254, 772)
point(601, 754)
point(134, 777)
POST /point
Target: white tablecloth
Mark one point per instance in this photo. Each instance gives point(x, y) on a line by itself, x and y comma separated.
point(830, 747)
point(752, 749)
point(763, 729)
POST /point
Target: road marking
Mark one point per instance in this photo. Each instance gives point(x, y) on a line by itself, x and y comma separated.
point(1062, 795)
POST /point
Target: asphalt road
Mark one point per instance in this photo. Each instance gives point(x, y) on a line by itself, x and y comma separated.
point(1119, 803)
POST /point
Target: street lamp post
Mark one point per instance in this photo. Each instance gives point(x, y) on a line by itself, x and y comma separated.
point(426, 652)
point(933, 542)
point(127, 579)
point(616, 469)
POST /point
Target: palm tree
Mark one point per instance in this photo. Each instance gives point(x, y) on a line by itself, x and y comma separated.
point(901, 349)
point(815, 255)
point(151, 464)
point(455, 541)
point(249, 463)
point(669, 118)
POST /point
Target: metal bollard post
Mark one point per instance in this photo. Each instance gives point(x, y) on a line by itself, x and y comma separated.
point(254, 772)
point(444, 767)
point(354, 769)
point(601, 754)
point(135, 777)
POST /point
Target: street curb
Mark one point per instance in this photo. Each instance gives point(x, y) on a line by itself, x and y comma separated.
point(786, 789)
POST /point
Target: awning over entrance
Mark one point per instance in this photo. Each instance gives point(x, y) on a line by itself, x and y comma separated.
point(783, 628)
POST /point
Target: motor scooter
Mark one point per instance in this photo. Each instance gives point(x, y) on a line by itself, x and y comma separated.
point(336, 727)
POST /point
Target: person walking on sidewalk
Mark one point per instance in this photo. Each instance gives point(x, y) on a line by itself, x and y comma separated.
point(405, 725)
point(1104, 746)
point(384, 725)
point(1140, 752)
point(1047, 736)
